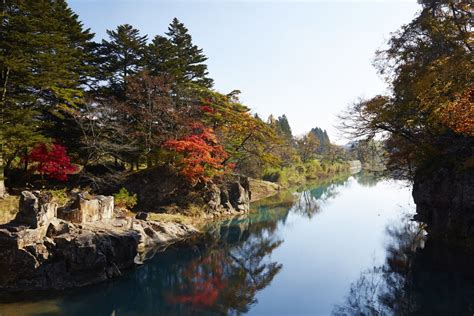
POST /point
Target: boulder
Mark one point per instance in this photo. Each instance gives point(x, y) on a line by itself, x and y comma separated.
point(142, 216)
point(239, 195)
point(88, 209)
point(231, 196)
point(35, 209)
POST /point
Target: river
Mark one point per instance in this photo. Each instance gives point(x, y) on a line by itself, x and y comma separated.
point(344, 248)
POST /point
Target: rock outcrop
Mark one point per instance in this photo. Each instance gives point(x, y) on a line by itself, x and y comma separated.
point(262, 189)
point(87, 209)
point(41, 251)
point(230, 197)
point(160, 187)
point(445, 202)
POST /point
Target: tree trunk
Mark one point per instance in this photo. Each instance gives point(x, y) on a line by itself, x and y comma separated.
point(3, 190)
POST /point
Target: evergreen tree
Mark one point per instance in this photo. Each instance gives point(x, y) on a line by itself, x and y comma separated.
point(122, 56)
point(44, 60)
point(322, 136)
point(177, 56)
point(283, 127)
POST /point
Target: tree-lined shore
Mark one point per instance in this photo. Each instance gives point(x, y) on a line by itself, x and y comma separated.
point(82, 113)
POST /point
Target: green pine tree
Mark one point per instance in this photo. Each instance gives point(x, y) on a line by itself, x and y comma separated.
point(45, 59)
point(122, 55)
point(283, 127)
point(177, 56)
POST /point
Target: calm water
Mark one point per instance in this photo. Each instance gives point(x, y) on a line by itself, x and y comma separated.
point(347, 248)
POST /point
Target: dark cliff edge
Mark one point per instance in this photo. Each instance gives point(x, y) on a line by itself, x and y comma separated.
point(161, 190)
point(445, 203)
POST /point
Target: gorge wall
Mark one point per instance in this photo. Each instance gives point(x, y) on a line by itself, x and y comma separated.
point(445, 202)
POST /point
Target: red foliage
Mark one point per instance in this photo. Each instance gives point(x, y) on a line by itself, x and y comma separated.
point(203, 156)
point(207, 108)
point(52, 161)
point(202, 282)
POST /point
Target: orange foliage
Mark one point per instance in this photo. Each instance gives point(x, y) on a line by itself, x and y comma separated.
point(459, 114)
point(203, 156)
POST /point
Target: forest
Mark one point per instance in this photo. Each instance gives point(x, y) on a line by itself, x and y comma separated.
point(81, 113)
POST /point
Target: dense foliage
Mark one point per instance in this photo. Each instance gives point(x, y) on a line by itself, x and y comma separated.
point(52, 161)
point(127, 103)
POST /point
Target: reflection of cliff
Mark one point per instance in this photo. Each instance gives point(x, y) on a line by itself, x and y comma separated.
point(417, 279)
point(220, 275)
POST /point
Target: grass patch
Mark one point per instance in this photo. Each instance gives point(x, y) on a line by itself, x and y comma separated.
point(8, 208)
point(175, 218)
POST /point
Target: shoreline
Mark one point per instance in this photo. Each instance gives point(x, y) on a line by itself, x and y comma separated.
point(150, 238)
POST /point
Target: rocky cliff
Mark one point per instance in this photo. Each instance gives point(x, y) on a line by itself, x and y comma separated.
point(49, 248)
point(161, 187)
point(445, 202)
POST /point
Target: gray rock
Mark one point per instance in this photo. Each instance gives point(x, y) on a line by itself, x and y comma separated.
point(142, 216)
point(88, 209)
point(40, 251)
point(35, 209)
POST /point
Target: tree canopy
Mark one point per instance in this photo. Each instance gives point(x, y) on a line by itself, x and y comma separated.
point(427, 118)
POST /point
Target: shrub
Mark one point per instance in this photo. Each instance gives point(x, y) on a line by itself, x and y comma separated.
point(272, 175)
point(60, 196)
point(125, 199)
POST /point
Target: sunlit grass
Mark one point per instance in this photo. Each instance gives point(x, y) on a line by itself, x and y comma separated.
point(8, 208)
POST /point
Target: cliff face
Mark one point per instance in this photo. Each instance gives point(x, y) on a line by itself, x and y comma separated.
point(445, 202)
point(160, 187)
point(48, 248)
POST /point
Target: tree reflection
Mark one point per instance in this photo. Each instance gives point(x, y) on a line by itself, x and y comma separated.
point(220, 274)
point(368, 179)
point(308, 202)
point(416, 279)
point(228, 279)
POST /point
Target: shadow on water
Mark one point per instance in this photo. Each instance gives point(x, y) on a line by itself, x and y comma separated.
point(419, 277)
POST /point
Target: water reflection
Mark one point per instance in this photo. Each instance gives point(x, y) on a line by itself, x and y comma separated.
point(419, 277)
point(219, 275)
point(290, 256)
point(368, 179)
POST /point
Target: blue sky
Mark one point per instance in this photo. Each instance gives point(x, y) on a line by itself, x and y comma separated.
point(306, 59)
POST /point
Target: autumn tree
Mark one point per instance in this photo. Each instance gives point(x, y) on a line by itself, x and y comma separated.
point(429, 64)
point(249, 141)
point(131, 130)
point(201, 156)
point(307, 146)
point(51, 160)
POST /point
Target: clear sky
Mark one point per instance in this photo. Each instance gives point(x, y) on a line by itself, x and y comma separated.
point(306, 59)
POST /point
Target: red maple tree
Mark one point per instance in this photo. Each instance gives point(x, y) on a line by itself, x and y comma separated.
point(51, 160)
point(203, 157)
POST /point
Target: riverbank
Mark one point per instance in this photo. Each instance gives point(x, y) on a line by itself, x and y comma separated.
point(62, 248)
